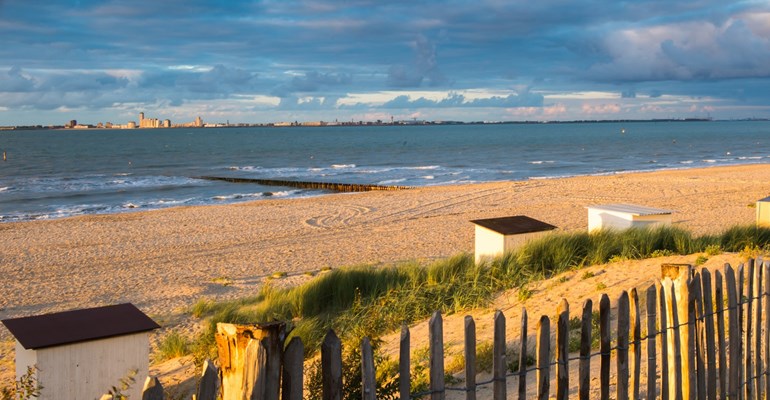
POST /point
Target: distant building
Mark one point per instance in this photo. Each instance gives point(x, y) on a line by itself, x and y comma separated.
point(80, 354)
point(624, 216)
point(198, 122)
point(496, 236)
point(131, 125)
point(167, 123)
point(71, 124)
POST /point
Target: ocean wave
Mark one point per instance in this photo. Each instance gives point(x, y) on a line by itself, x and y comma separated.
point(538, 162)
point(341, 166)
point(428, 177)
point(5, 188)
point(686, 162)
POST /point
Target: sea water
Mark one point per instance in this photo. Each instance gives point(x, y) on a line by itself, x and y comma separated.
point(59, 173)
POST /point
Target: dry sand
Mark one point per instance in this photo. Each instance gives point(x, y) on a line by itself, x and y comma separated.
point(163, 261)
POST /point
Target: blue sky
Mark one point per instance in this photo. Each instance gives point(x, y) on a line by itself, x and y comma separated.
point(284, 60)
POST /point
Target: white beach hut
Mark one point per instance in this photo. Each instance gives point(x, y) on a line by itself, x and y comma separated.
point(81, 354)
point(495, 236)
point(763, 211)
point(624, 216)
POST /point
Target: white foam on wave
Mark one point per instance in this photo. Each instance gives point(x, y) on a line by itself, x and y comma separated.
point(5, 188)
point(686, 162)
point(428, 177)
point(424, 167)
point(391, 181)
point(750, 158)
point(710, 161)
point(538, 162)
point(341, 166)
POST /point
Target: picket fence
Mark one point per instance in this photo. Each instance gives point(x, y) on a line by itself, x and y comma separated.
point(703, 342)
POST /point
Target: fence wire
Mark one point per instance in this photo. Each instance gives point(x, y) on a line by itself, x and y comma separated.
point(636, 342)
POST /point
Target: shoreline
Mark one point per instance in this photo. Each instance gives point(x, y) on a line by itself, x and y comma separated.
point(164, 260)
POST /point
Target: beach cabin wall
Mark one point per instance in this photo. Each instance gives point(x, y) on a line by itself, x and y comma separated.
point(495, 236)
point(81, 354)
point(763, 212)
point(624, 216)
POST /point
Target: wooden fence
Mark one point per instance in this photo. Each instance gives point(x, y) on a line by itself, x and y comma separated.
point(702, 340)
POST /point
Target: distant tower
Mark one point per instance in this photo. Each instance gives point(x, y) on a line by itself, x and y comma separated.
point(198, 121)
point(141, 117)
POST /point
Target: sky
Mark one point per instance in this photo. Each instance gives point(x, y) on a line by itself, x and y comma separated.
point(365, 60)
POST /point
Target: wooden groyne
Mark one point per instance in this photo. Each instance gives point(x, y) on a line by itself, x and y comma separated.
point(337, 187)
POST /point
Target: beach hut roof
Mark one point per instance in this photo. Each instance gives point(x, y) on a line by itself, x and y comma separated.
point(631, 209)
point(766, 199)
point(48, 330)
point(514, 225)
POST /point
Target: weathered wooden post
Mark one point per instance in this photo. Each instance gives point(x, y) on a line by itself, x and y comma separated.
point(436, 357)
point(208, 387)
point(708, 312)
point(152, 390)
point(250, 356)
point(331, 367)
point(292, 380)
point(543, 358)
point(404, 363)
point(470, 358)
point(652, 297)
point(368, 382)
point(584, 368)
point(604, 346)
point(562, 353)
point(523, 356)
point(499, 363)
point(622, 352)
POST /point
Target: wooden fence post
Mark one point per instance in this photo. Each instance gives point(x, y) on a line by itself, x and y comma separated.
point(664, 334)
point(543, 358)
point(523, 356)
point(766, 295)
point(436, 357)
point(470, 358)
point(735, 334)
point(368, 382)
point(698, 329)
point(749, 326)
point(675, 370)
point(604, 346)
point(331, 367)
point(208, 387)
point(740, 276)
point(584, 380)
point(708, 313)
point(758, 329)
point(635, 351)
point(293, 358)
point(719, 303)
point(499, 364)
point(152, 389)
point(652, 297)
point(404, 364)
point(622, 353)
point(562, 353)
point(685, 328)
point(250, 358)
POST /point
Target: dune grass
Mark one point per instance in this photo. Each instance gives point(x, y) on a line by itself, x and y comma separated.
point(368, 301)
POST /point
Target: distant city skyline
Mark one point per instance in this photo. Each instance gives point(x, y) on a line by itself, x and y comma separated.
point(326, 60)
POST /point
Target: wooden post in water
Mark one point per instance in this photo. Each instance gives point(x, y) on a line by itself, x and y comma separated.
point(404, 364)
point(499, 364)
point(470, 358)
point(604, 346)
point(543, 358)
point(436, 357)
point(562, 353)
point(652, 297)
point(584, 372)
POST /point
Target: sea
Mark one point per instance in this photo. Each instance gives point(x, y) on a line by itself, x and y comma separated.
point(50, 174)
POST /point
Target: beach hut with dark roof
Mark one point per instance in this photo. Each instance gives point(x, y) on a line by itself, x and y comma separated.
point(81, 354)
point(495, 236)
point(624, 216)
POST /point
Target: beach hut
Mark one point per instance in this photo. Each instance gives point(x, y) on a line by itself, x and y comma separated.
point(495, 236)
point(763, 211)
point(624, 216)
point(82, 354)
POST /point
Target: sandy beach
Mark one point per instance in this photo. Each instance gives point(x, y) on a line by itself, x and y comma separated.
point(163, 261)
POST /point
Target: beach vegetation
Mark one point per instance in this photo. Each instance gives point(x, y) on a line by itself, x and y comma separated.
point(587, 275)
point(713, 250)
point(701, 259)
point(172, 345)
point(26, 387)
point(368, 300)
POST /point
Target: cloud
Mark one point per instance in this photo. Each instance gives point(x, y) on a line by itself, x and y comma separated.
point(423, 70)
point(685, 51)
point(15, 81)
point(312, 81)
point(525, 99)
